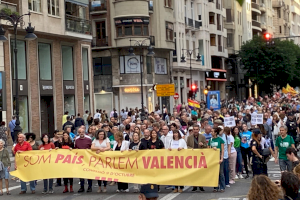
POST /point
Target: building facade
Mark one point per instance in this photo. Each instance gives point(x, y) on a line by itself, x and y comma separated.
point(54, 71)
point(117, 76)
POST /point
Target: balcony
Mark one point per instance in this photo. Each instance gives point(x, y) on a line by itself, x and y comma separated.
point(256, 25)
point(10, 6)
point(100, 42)
point(262, 7)
point(96, 8)
point(277, 4)
point(78, 25)
point(255, 8)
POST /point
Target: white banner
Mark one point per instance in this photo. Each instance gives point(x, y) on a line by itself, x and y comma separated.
point(160, 66)
point(229, 121)
point(256, 118)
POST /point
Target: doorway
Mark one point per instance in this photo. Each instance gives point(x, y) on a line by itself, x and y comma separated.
point(47, 115)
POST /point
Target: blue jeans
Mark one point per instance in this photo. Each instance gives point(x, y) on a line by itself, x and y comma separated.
point(285, 165)
point(239, 160)
point(24, 187)
point(226, 170)
point(46, 184)
point(221, 185)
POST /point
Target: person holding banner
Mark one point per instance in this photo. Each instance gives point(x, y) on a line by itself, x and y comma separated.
point(218, 143)
point(177, 143)
point(21, 146)
point(83, 142)
point(121, 145)
point(101, 144)
point(47, 145)
point(66, 143)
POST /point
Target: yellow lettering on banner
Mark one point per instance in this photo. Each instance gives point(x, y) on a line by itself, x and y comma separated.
point(198, 167)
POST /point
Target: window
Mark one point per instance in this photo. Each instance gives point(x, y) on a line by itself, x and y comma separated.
point(34, 5)
point(23, 116)
point(22, 67)
point(169, 31)
point(279, 29)
point(149, 64)
point(229, 40)
point(45, 61)
point(67, 63)
point(133, 30)
point(102, 66)
point(69, 104)
point(85, 64)
point(168, 3)
point(86, 102)
point(53, 7)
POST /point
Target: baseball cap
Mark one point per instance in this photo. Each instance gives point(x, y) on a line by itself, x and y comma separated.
point(149, 190)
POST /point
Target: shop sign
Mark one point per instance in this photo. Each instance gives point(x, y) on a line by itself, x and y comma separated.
point(132, 90)
point(47, 87)
point(70, 87)
point(165, 90)
point(132, 21)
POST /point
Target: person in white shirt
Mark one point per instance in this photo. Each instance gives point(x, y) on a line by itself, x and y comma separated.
point(97, 115)
point(101, 144)
point(165, 138)
point(177, 143)
point(232, 155)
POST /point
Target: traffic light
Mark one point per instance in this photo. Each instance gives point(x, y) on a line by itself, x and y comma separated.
point(205, 91)
point(194, 87)
point(269, 40)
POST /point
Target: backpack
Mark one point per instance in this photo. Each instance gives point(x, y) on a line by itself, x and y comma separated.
point(115, 115)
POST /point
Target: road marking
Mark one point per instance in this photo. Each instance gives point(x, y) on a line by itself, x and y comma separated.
point(16, 187)
point(172, 195)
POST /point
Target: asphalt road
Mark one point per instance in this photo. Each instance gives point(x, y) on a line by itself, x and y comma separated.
point(237, 191)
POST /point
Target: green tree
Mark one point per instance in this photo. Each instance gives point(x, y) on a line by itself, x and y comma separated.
point(281, 62)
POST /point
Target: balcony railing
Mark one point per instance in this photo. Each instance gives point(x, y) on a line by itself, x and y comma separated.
point(100, 42)
point(191, 22)
point(96, 7)
point(220, 49)
point(254, 5)
point(78, 25)
point(11, 6)
point(255, 23)
point(198, 24)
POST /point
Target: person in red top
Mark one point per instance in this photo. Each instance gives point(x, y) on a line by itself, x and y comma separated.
point(47, 145)
point(21, 146)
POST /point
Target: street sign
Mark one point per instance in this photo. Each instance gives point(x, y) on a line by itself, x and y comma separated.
point(176, 96)
point(165, 90)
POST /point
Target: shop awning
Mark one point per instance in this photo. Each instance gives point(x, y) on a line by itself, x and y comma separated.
point(133, 85)
point(79, 2)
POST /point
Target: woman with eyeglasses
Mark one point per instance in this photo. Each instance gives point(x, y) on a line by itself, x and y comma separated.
point(101, 144)
point(47, 145)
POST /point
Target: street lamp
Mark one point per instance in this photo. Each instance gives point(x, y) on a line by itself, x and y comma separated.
point(15, 20)
point(190, 52)
point(142, 43)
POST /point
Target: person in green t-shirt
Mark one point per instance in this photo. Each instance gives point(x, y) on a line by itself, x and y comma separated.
point(218, 143)
point(283, 142)
point(239, 158)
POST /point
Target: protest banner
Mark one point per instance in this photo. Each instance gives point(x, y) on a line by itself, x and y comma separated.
point(162, 167)
point(229, 121)
point(256, 119)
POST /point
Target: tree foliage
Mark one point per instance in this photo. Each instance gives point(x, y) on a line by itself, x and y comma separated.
point(280, 61)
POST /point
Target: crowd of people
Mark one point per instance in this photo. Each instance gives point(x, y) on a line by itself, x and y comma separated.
point(245, 149)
